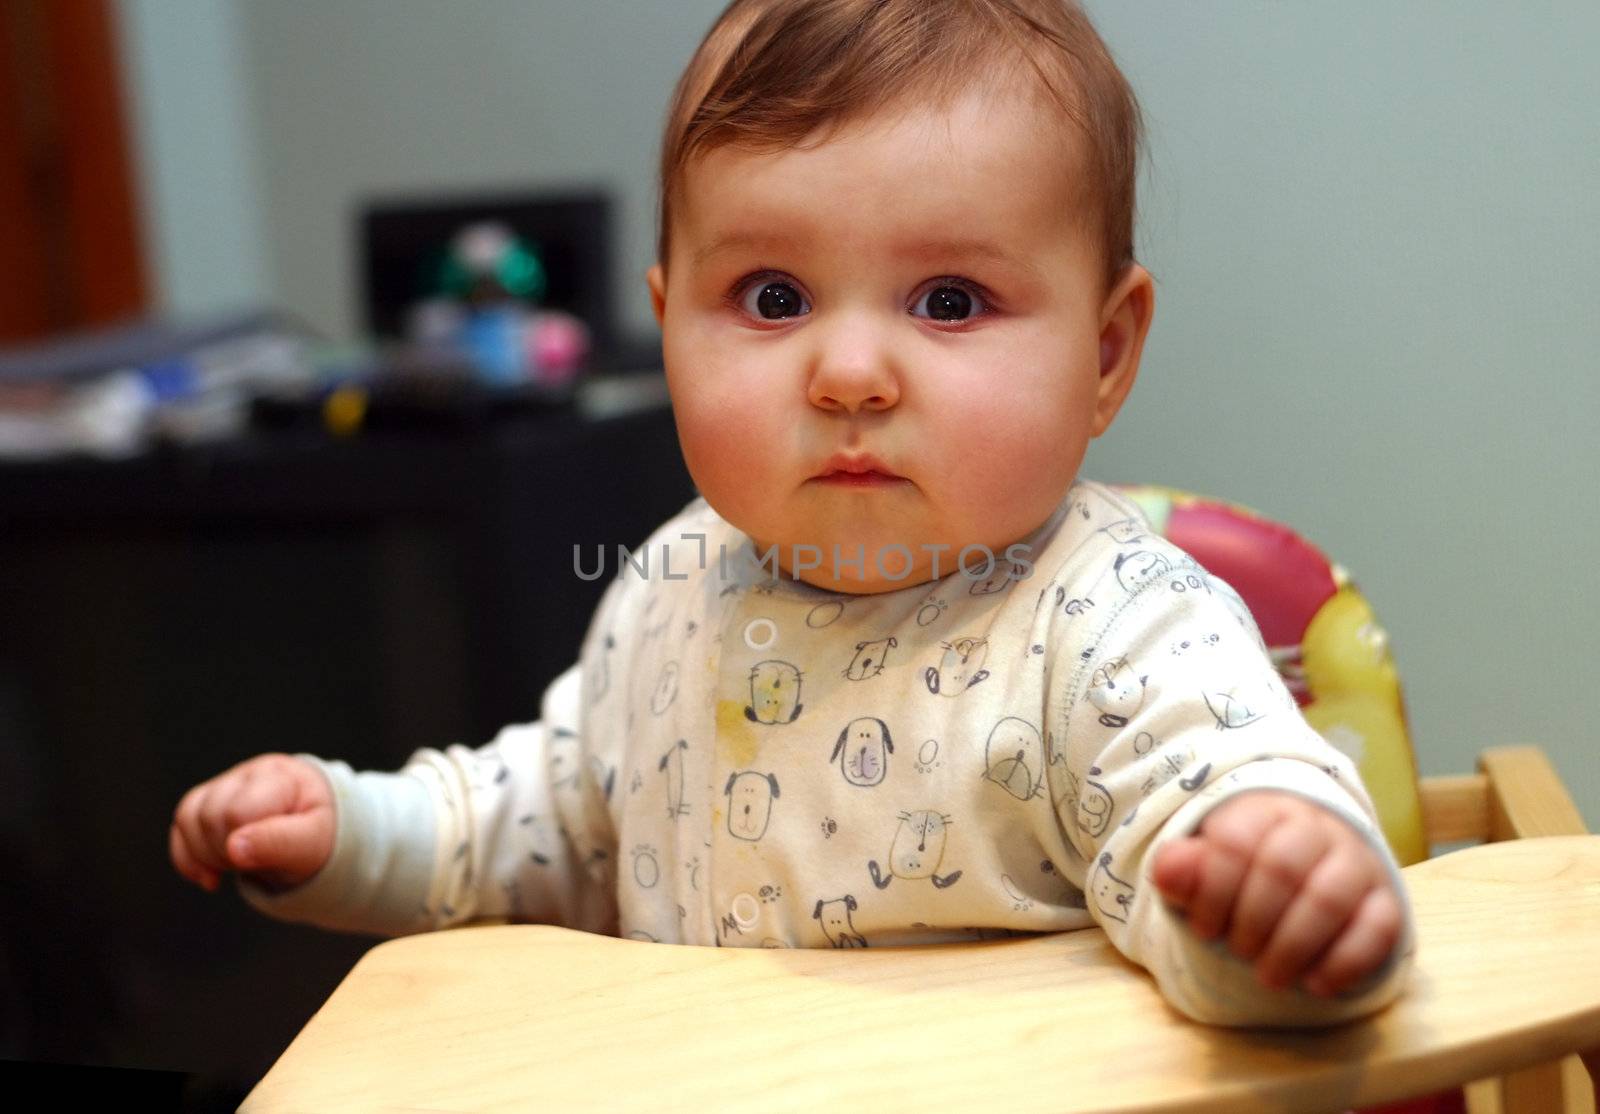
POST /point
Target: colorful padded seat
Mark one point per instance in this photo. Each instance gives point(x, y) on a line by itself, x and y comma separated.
point(1322, 635)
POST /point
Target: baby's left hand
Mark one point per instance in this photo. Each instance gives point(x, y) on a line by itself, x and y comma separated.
point(1296, 888)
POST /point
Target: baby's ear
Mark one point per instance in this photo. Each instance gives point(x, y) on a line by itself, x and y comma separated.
point(1125, 322)
point(657, 280)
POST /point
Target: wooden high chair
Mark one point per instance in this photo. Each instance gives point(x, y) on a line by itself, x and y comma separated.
point(1516, 794)
point(1505, 987)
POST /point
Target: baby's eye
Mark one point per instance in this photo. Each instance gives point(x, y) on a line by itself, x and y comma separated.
point(772, 299)
point(951, 300)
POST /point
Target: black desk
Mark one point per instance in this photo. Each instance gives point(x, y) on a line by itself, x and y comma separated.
point(164, 618)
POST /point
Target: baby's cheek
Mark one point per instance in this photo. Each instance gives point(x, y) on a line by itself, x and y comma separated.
point(728, 448)
point(1010, 461)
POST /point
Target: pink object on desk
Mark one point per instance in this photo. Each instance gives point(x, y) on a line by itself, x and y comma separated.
point(557, 344)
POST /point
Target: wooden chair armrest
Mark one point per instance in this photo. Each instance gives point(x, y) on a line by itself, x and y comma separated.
point(1516, 794)
point(1455, 808)
point(1526, 796)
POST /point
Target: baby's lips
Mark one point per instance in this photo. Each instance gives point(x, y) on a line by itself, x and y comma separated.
point(858, 464)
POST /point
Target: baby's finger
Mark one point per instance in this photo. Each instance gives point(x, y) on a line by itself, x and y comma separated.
point(1230, 835)
point(1284, 859)
point(1221, 873)
point(214, 810)
point(1316, 916)
point(1363, 946)
point(266, 794)
point(1176, 870)
point(284, 850)
point(193, 830)
point(186, 864)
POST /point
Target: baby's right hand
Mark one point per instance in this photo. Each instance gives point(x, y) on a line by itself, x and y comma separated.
point(270, 817)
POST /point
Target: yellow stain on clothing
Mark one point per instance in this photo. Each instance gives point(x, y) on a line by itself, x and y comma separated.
point(736, 742)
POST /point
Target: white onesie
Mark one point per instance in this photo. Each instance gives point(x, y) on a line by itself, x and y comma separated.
point(745, 760)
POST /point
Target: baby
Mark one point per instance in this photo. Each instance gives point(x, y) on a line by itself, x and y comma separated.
point(898, 676)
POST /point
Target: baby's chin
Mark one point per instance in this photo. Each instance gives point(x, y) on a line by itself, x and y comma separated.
point(872, 585)
point(875, 565)
point(895, 549)
point(846, 563)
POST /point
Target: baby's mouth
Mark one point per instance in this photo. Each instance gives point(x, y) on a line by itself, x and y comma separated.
point(862, 470)
point(856, 468)
point(861, 479)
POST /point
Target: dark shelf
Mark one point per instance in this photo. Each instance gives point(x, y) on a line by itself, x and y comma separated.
point(168, 616)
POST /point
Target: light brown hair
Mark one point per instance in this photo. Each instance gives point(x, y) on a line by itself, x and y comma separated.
point(770, 73)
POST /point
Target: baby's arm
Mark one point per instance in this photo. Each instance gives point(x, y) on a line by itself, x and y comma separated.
point(278, 819)
point(522, 824)
point(1197, 756)
point(513, 829)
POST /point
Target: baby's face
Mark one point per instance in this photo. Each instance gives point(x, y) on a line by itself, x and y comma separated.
point(916, 290)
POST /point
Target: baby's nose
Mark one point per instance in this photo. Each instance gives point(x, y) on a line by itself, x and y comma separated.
point(852, 364)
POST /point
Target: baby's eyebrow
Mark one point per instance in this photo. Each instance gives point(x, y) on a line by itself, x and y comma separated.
point(948, 249)
point(964, 249)
point(744, 241)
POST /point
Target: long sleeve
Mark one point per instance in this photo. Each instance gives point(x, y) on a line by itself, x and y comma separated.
point(514, 828)
point(1165, 705)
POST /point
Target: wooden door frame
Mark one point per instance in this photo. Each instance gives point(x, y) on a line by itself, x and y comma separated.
point(71, 255)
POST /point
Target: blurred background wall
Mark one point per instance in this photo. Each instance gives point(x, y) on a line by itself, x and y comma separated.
point(1373, 227)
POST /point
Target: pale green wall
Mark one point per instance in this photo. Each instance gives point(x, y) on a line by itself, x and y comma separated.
point(195, 153)
point(1374, 227)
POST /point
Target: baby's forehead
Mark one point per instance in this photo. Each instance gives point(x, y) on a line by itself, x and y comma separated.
point(953, 129)
point(987, 166)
